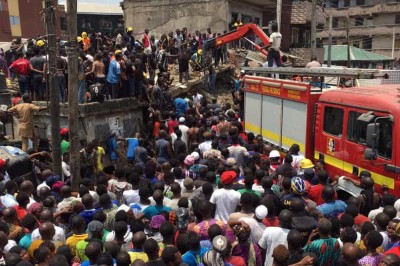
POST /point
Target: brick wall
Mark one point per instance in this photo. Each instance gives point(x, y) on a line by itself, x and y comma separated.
point(304, 56)
point(301, 13)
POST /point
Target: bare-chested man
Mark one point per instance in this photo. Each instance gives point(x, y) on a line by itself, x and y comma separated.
point(193, 134)
point(98, 70)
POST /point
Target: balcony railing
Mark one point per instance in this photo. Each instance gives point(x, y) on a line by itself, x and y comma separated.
point(367, 30)
point(373, 7)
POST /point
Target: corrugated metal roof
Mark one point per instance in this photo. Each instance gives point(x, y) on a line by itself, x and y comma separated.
point(339, 53)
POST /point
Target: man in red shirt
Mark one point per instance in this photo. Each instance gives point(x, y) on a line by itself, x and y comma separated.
point(146, 42)
point(315, 193)
point(21, 67)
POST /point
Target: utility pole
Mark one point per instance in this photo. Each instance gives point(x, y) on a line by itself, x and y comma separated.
point(50, 18)
point(314, 28)
point(330, 41)
point(279, 14)
point(348, 41)
point(393, 41)
point(72, 52)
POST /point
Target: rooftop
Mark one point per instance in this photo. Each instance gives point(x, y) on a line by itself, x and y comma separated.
point(339, 53)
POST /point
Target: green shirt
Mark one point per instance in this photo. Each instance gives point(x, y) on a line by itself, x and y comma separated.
point(243, 190)
point(327, 250)
point(64, 146)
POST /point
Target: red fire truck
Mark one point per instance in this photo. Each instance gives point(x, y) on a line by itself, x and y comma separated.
point(350, 129)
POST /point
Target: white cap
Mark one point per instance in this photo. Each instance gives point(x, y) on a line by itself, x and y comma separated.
point(181, 120)
point(195, 155)
point(261, 212)
point(397, 207)
point(274, 153)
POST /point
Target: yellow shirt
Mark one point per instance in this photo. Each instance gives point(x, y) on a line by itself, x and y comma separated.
point(73, 240)
point(100, 153)
point(138, 256)
point(34, 245)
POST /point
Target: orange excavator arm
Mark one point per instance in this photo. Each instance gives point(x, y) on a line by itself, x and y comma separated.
point(237, 34)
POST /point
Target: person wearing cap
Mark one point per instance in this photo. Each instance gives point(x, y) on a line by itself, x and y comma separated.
point(95, 231)
point(225, 199)
point(182, 126)
point(25, 112)
point(85, 41)
point(255, 223)
point(64, 132)
point(155, 224)
point(196, 61)
point(218, 254)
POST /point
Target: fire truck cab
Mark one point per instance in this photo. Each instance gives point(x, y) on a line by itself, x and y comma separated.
point(350, 129)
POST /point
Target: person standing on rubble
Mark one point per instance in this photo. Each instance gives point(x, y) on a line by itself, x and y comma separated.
point(274, 50)
point(25, 112)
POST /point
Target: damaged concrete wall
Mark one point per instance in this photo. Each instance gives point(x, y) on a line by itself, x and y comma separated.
point(163, 16)
point(97, 120)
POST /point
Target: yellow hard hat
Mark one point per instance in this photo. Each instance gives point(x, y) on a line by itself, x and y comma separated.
point(39, 43)
point(79, 38)
point(84, 34)
point(129, 29)
point(117, 52)
point(199, 51)
point(235, 25)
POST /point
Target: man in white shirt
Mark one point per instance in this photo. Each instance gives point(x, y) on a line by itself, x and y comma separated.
point(274, 50)
point(225, 199)
point(206, 145)
point(66, 169)
point(274, 236)
point(68, 199)
point(184, 129)
point(8, 200)
point(47, 216)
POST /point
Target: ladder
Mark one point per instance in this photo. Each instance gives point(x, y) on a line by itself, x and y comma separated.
point(357, 73)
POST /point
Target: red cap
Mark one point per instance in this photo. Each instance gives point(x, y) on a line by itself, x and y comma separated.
point(228, 177)
point(2, 163)
point(64, 131)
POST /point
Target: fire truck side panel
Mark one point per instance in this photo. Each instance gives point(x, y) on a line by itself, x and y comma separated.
point(253, 111)
point(329, 137)
point(294, 127)
point(340, 138)
point(272, 119)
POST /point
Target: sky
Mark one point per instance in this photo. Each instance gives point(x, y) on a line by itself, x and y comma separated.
point(116, 2)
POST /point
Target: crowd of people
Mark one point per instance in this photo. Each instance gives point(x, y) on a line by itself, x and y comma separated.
point(199, 191)
point(128, 65)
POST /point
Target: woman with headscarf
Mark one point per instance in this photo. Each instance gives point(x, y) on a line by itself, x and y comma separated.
point(216, 256)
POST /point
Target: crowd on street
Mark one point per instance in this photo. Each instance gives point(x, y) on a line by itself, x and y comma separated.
point(196, 190)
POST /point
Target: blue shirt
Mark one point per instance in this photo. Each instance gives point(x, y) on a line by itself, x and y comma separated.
point(88, 214)
point(194, 258)
point(26, 241)
point(132, 144)
point(151, 211)
point(331, 209)
point(180, 106)
point(114, 70)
